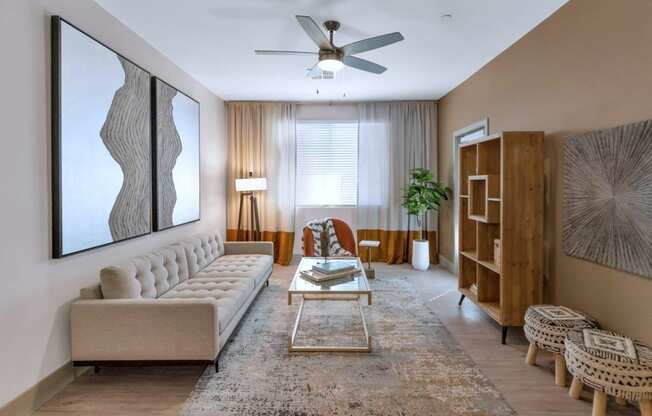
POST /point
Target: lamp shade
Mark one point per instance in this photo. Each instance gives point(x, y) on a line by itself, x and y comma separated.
point(250, 184)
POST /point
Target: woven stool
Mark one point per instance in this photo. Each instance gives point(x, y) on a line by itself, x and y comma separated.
point(613, 365)
point(546, 327)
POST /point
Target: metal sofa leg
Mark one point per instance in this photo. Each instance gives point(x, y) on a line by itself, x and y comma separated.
point(217, 368)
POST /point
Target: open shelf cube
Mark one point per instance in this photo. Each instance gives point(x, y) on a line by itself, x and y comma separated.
point(468, 163)
point(468, 228)
point(485, 237)
point(489, 291)
point(484, 198)
point(467, 272)
point(488, 161)
point(488, 285)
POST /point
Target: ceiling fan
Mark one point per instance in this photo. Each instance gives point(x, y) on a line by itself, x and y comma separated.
point(333, 58)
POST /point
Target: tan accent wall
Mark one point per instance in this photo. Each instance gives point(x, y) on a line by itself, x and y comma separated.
point(588, 66)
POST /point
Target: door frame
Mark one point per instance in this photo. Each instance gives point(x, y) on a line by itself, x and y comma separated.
point(458, 136)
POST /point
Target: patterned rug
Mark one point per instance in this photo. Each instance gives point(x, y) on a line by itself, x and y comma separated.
point(416, 368)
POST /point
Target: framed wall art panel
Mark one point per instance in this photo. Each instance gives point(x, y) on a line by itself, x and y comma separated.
point(176, 156)
point(101, 144)
point(608, 197)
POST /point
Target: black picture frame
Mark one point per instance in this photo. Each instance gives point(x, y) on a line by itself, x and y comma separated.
point(155, 163)
point(57, 138)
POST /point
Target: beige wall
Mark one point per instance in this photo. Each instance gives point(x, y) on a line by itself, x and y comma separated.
point(35, 291)
point(588, 66)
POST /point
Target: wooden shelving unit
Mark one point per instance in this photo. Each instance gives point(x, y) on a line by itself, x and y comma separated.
point(501, 197)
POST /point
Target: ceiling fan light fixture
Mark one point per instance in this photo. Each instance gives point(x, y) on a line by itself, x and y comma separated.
point(331, 65)
point(330, 61)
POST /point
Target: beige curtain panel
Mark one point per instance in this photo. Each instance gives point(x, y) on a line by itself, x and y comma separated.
point(394, 138)
point(262, 141)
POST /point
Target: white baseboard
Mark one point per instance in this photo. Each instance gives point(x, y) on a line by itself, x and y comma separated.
point(30, 400)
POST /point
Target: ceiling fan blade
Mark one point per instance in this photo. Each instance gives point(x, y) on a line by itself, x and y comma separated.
point(268, 52)
point(371, 43)
point(363, 64)
point(314, 32)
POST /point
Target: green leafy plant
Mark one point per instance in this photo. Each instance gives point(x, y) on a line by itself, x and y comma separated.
point(423, 195)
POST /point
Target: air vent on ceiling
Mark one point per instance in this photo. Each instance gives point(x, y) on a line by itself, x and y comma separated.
point(322, 75)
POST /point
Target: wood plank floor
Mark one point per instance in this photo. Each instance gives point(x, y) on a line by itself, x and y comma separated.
point(530, 390)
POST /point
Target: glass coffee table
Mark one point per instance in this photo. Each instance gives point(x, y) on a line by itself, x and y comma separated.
point(349, 289)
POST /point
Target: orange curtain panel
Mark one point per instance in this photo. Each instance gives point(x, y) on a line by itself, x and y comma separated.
point(262, 141)
point(394, 138)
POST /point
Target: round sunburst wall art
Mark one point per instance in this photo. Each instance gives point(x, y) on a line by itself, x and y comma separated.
point(608, 197)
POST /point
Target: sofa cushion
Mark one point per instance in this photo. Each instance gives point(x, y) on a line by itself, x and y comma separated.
point(91, 292)
point(176, 265)
point(255, 266)
point(147, 276)
point(230, 294)
point(203, 250)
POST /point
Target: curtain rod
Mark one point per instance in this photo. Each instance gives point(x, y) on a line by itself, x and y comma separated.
point(330, 103)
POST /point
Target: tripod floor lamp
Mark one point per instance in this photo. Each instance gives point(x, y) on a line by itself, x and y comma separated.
point(248, 187)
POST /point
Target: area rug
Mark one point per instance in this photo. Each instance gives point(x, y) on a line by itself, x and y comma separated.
point(416, 367)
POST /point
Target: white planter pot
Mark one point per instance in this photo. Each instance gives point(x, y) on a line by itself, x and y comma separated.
point(421, 254)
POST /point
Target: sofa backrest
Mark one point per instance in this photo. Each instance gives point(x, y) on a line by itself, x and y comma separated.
point(202, 250)
point(146, 276)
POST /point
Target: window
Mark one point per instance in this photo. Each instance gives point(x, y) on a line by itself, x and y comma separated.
point(327, 163)
point(472, 135)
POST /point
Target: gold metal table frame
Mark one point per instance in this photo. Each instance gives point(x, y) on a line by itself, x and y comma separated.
point(342, 294)
point(292, 347)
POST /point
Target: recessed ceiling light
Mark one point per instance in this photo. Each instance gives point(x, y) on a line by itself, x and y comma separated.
point(446, 16)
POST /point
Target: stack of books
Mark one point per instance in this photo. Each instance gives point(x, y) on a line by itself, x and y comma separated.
point(330, 270)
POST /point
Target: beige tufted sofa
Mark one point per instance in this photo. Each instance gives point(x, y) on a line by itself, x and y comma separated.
point(177, 305)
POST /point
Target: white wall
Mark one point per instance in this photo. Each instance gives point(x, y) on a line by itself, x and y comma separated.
point(35, 291)
point(305, 214)
point(333, 111)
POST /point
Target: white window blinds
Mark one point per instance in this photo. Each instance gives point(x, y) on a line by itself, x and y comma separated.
point(327, 163)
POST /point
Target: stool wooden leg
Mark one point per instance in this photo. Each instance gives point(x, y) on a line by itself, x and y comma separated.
point(560, 370)
point(575, 389)
point(621, 401)
point(599, 403)
point(531, 357)
point(369, 257)
point(646, 407)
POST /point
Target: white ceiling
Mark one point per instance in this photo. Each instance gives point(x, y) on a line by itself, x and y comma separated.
point(213, 40)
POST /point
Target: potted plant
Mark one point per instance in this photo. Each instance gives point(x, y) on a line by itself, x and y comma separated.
point(422, 195)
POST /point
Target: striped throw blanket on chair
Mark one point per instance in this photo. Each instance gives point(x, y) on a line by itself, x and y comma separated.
point(334, 247)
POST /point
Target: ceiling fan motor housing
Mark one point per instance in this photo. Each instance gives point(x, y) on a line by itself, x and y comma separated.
point(334, 55)
point(332, 25)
